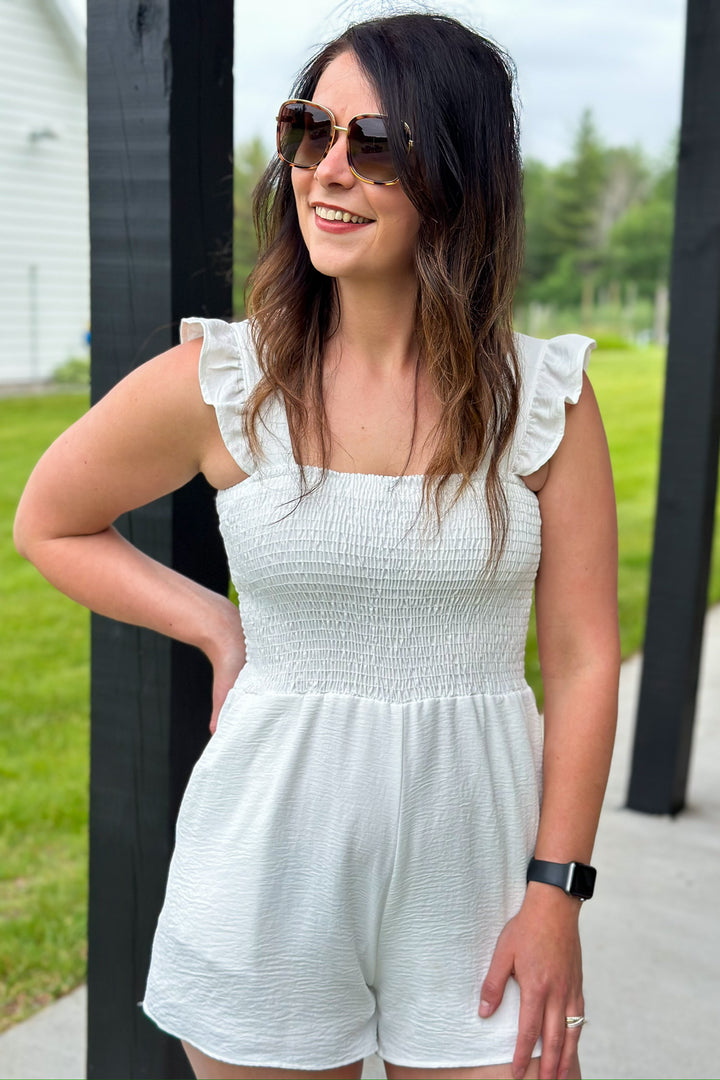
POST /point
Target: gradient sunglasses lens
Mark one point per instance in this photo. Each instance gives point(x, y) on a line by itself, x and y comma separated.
point(305, 132)
point(370, 151)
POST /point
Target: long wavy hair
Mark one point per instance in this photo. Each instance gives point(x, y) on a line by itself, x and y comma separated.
point(454, 89)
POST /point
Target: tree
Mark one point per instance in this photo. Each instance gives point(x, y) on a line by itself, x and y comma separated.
point(579, 186)
point(639, 245)
point(628, 182)
point(602, 218)
point(563, 216)
point(251, 159)
point(540, 252)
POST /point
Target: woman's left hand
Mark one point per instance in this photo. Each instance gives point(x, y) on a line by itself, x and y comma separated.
point(540, 948)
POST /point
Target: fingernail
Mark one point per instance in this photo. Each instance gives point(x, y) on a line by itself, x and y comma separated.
point(485, 1008)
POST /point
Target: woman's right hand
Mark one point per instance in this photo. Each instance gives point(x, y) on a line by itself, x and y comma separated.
point(227, 657)
point(147, 437)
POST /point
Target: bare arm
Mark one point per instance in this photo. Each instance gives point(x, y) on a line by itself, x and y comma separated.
point(579, 650)
point(148, 436)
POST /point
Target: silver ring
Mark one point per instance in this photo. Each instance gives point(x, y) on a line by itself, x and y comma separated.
point(575, 1021)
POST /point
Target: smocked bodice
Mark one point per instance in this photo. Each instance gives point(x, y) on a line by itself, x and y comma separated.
point(348, 590)
point(350, 595)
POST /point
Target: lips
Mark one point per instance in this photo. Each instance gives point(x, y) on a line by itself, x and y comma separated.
point(332, 213)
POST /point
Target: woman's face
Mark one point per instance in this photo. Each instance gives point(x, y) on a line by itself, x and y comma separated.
point(381, 247)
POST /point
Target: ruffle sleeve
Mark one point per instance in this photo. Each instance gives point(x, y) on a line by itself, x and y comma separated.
point(552, 375)
point(224, 379)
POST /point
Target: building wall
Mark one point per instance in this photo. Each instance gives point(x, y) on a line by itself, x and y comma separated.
point(44, 236)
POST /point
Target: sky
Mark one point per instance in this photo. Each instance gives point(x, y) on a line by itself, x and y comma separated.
point(621, 58)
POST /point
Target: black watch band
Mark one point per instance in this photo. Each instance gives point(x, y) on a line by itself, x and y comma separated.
point(574, 878)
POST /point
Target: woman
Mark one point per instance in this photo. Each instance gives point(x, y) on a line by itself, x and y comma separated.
point(351, 868)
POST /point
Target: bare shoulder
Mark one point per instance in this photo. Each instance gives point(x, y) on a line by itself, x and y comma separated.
point(160, 392)
point(165, 400)
point(146, 437)
point(155, 419)
point(584, 445)
point(577, 503)
point(576, 587)
point(583, 431)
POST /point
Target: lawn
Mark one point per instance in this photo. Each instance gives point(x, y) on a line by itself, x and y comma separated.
point(44, 680)
point(43, 744)
point(628, 384)
point(629, 388)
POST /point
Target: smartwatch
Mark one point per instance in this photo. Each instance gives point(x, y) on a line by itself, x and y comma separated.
point(574, 878)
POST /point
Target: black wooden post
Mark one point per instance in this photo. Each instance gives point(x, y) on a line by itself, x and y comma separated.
point(160, 158)
point(691, 427)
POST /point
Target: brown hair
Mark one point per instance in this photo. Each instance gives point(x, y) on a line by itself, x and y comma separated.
point(454, 89)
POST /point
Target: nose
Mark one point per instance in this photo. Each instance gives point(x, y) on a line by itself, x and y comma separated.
point(334, 168)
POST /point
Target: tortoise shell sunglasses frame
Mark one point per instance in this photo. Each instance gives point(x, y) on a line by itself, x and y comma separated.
point(363, 146)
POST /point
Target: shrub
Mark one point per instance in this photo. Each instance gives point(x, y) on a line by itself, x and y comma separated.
point(74, 372)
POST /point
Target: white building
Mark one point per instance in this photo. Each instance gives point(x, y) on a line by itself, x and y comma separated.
point(44, 236)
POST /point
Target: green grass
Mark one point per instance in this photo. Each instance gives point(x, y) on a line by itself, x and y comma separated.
point(629, 386)
point(44, 679)
point(629, 389)
point(43, 744)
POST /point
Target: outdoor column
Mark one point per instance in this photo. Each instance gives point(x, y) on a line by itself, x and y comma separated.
point(160, 164)
point(691, 427)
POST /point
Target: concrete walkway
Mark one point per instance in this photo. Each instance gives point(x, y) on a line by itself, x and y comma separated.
point(651, 935)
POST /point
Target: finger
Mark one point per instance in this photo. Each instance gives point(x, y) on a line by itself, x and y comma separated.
point(530, 1025)
point(554, 1036)
point(569, 1058)
point(493, 988)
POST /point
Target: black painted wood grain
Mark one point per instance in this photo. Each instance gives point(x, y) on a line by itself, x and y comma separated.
point(160, 167)
point(691, 430)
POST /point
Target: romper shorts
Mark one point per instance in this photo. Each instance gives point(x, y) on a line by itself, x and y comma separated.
point(341, 875)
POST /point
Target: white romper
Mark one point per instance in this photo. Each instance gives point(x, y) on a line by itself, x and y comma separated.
point(356, 834)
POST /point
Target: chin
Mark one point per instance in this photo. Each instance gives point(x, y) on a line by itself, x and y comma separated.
point(330, 265)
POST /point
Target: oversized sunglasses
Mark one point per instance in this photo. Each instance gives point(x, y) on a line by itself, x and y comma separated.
point(306, 132)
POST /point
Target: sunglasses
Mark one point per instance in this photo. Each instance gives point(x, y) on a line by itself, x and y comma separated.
point(306, 132)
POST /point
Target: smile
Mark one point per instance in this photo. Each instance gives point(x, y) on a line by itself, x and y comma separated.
point(340, 215)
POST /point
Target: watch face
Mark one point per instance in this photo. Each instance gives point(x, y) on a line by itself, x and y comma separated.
point(583, 881)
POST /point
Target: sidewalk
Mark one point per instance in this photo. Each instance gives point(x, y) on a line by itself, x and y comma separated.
point(651, 935)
